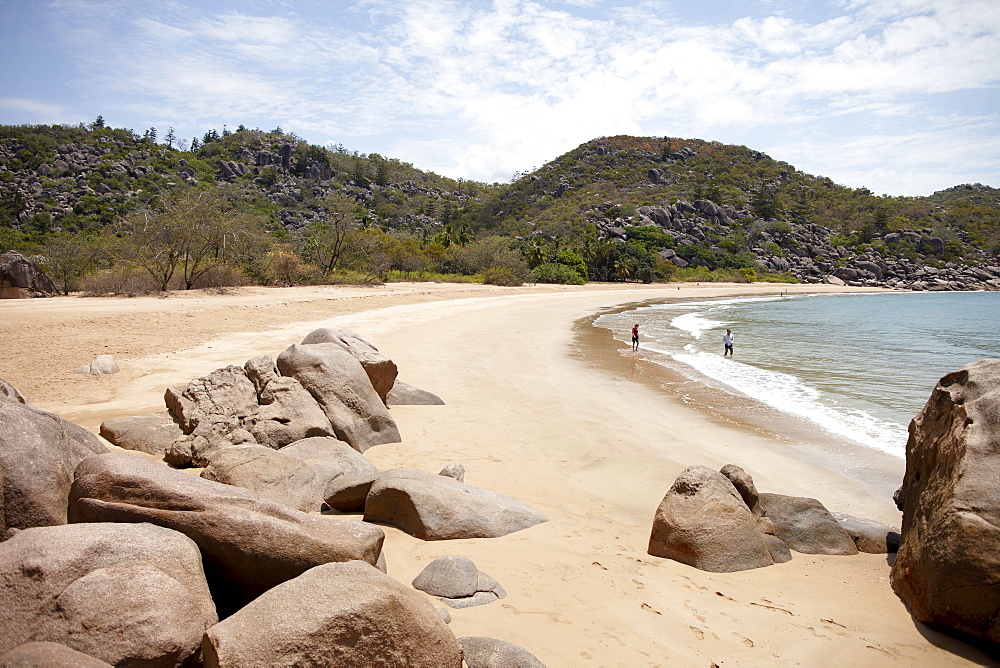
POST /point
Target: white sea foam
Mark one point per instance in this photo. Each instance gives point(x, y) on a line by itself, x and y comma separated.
point(694, 324)
point(787, 393)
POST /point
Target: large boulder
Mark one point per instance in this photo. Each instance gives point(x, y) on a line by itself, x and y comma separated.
point(436, 507)
point(347, 614)
point(249, 544)
point(457, 582)
point(225, 394)
point(44, 654)
point(337, 381)
point(153, 433)
point(287, 412)
point(330, 454)
point(806, 526)
point(271, 474)
point(132, 594)
point(381, 370)
point(21, 278)
point(702, 521)
point(38, 454)
point(946, 571)
point(484, 652)
point(744, 485)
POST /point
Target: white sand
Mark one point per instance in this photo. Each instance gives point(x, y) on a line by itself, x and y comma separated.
point(594, 451)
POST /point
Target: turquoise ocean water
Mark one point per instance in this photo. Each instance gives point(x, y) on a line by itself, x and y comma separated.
point(852, 368)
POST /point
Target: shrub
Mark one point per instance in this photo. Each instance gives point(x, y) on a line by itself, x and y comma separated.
point(552, 272)
point(502, 276)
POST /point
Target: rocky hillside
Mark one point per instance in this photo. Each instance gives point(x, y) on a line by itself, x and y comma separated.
point(677, 205)
point(713, 205)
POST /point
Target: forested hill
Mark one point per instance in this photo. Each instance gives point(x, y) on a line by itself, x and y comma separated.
point(615, 208)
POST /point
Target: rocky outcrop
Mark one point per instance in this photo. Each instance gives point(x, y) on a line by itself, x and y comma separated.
point(338, 382)
point(949, 554)
point(21, 278)
point(271, 474)
point(249, 544)
point(435, 507)
point(483, 652)
point(381, 370)
point(152, 433)
point(703, 522)
point(223, 396)
point(806, 526)
point(127, 594)
point(39, 452)
point(457, 582)
point(348, 614)
point(287, 412)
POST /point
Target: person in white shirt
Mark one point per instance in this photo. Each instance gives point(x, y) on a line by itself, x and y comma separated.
point(728, 339)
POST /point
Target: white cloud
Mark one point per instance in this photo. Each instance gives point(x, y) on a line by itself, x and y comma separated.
point(37, 110)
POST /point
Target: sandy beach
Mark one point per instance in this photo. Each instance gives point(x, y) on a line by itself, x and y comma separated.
point(567, 426)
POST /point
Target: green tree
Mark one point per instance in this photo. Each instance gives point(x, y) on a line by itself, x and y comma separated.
point(170, 137)
point(191, 233)
point(67, 258)
point(327, 239)
point(764, 201)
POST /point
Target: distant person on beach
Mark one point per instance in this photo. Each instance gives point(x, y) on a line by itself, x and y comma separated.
point(635, 337)
point(728, 339)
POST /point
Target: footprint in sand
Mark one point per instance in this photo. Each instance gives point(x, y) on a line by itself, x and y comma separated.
point(698, 633)
point(646, 606)
point(746, 641)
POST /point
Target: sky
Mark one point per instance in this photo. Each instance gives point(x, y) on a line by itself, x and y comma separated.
point(899, 96)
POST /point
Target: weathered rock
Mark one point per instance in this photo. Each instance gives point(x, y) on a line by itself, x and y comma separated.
point(224, 393)
point(458, 582)
point(949, 555)
point(21, 278)
point(10, 393)
point(128, 594)
point(779, 551)
point(456, 471)
point(332, 454)
point(248, 544)
point(806, 526)
point(337, 381)
point(287, 413)
point(483, 652)
point(402, 394)
point(103, 365)
point(272, 475)
point(349, 493)
point(347, 614)
point(744, 485)
point(153, 433)
point(435, 507)
point(46, 655)
point(703, 522)
point(38, 453)
point(869, 536)
point(381, 370)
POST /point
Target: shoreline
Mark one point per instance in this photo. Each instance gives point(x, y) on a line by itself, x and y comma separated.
point(880, 472)
point(592, 450)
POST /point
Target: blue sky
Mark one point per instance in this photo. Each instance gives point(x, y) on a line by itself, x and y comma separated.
point(900, 96)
